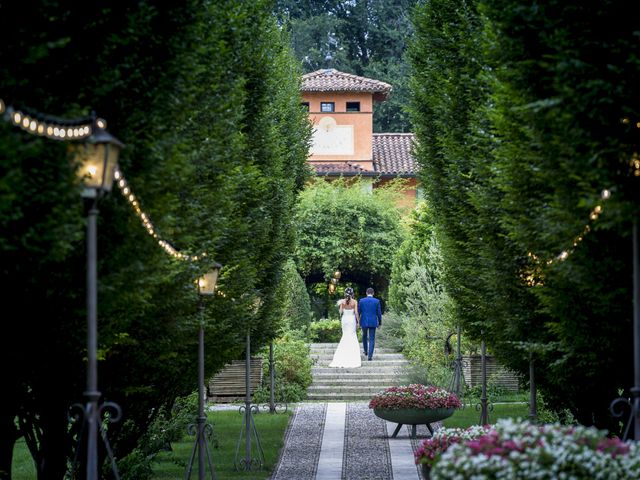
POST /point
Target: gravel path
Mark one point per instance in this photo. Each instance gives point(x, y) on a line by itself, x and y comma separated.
point(299, 457)
point(345, 441)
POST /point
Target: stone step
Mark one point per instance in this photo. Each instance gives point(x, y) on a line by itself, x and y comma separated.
point(355, 377)
point(364, 371)
point(354, 384)
point(346, 389)
point(386, 381)
point(339, 397)
point(331, 347)
point(379, 356)
point(384, 364)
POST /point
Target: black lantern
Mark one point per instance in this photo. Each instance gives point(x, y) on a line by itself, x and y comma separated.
point(98, 157)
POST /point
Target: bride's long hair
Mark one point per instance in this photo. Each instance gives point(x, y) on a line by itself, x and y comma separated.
point(348, 295)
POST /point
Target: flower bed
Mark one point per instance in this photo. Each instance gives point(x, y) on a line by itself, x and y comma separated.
point(414, 396)
point(432, 448)
point(520, 450)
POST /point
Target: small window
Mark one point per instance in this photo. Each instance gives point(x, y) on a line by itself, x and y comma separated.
point(353, 106)
point(327, 106)
point(305, 105)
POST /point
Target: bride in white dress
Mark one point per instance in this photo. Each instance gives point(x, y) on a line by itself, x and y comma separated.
point(347, 354)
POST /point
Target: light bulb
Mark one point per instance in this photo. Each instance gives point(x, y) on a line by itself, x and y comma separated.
point(92, 170)
point(606, 194)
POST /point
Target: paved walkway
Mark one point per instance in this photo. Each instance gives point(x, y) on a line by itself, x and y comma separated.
point(345, 441)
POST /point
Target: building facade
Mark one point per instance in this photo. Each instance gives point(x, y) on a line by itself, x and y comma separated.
point(341, 109)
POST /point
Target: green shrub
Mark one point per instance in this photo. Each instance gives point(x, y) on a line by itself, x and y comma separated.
point(168, 425)
point(393, 333)
point(285, 392)
point(293, 370)
point(325, 331)
point(135, 466)
point(548, 414)
point(296, 302)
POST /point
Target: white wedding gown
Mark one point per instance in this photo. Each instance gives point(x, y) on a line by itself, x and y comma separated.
point(347, 354)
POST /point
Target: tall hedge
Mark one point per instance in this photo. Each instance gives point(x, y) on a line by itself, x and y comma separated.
point(205, 96)
point(518, 109)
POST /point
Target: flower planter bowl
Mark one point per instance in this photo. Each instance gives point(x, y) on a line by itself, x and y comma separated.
point(413, 417)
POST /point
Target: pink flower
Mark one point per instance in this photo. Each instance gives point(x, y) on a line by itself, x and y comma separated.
point(414, 396)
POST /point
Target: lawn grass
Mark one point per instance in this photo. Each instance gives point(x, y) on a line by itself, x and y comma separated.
point(226, 425)
point(468, 416)
point(172, 465)
point(22, 467)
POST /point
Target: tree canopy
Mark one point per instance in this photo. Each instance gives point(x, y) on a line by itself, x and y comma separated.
point(342, 226)
point(363, 37)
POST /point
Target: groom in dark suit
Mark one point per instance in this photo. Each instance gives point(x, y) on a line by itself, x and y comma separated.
point(370, 319)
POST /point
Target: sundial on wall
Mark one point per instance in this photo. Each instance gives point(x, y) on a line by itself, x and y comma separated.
point(329, 138)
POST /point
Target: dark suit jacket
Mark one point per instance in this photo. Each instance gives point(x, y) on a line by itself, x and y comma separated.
point(370, 312)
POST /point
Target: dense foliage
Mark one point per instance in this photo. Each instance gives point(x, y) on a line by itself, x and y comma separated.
point(292, 370)
point(325, 331)
point(517, 108)
point(296, 310)
point(363, 37)
point(341, 226)
point(420, 315)
point(206, 98)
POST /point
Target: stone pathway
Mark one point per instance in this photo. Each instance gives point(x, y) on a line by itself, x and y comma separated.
point(345, 441)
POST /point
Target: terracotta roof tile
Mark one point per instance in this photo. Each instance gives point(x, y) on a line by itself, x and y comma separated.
point(331, 80)
point(392, 154)
point(338, 168)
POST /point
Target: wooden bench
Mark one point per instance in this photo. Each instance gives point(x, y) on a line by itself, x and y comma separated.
point(228, 385)
point(496, 373)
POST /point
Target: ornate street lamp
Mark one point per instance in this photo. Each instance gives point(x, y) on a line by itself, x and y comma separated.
point(97, 158)
point(204, 431)
point(249, 430)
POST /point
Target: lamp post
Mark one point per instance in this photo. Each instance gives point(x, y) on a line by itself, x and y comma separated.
point(635, 391)
point(533, 406)
point(98, 158)
point(484, 411)
point(206, 287)
point(249, 426)
point(485, 406)
point(633, 403)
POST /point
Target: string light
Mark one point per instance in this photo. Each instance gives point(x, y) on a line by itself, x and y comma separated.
point(635, 164)
point(128, 194)
point(533, 275)
point(79, 129)
point(44, 126)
